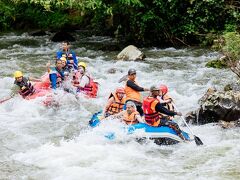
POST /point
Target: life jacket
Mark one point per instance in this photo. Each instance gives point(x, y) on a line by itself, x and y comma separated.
point(130, 119)
point(60, 76)
point(90, 89)
point(75, 79)
point(26, 88)
point(169, 106)
point(117, 105)
point(68, 56)
point(66, 69)
point(132, 94)
point(152, 117)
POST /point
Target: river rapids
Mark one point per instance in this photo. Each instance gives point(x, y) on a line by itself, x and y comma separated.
point(37, 142)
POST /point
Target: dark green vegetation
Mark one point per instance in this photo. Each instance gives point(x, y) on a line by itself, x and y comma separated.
point(231, 50)
point(229, 45)
point(142, 22)
point(217, 63)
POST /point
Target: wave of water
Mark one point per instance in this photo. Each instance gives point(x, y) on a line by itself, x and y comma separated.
point(55, 143)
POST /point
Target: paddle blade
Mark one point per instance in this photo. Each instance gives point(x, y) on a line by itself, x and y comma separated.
point(124, 78)
point(198, 141)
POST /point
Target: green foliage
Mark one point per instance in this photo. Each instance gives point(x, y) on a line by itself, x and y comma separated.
point(7, 15)
point(139, 21)
point(218, 63)
point(231, 50)
point(232, 45)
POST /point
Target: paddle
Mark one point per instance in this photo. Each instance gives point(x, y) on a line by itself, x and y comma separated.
point(196, 139)
point(124, 78)
point(4, 100)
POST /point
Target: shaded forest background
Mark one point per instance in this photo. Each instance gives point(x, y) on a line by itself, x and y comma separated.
point(141, 22)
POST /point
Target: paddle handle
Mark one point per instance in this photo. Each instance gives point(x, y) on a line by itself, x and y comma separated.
point(187, 125)
point(184, 120)
point(197, 140)
point(2, 101)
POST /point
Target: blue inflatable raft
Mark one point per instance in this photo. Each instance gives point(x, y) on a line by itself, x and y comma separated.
point(161, 135)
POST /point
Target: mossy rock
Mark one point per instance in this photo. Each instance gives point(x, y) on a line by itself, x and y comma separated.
point(217, 63)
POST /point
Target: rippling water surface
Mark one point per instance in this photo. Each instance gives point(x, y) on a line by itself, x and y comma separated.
point(55, 143)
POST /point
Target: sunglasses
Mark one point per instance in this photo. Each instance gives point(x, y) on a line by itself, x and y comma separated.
point(132, 74)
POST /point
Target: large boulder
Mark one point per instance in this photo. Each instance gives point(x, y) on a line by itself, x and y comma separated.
point(216, 106)
point(62, 36)
point(131, 53)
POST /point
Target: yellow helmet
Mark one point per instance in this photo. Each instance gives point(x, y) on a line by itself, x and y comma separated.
point(63, 59)
point(83, 64)
point(18, 74)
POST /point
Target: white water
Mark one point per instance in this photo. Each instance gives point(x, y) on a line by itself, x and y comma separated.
point(55, 143)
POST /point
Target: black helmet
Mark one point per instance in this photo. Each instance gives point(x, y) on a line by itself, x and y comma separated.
point(131, 71)
point(154, 88)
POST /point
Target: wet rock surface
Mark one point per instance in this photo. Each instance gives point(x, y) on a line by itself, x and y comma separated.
point(37, 33)
point(62, 36)
point(131, 53)
point(216, 106)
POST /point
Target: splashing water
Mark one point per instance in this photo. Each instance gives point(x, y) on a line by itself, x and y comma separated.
point(56, 143)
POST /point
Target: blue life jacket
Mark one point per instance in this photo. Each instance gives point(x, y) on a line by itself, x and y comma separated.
point(56, 77)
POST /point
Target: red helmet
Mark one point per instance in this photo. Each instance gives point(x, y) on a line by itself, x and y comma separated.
point(120, 90)
point(163, 88)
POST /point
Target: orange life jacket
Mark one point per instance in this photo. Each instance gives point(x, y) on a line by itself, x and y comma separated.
point(152, 117)
point(132, 94)
point(117, 105)
point(169, 106)
point(130, 119)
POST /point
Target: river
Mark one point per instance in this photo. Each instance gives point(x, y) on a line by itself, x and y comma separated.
point(55, 143)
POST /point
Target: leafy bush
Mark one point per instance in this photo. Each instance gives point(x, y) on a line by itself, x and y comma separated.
point(139, 21)
point(231, 51)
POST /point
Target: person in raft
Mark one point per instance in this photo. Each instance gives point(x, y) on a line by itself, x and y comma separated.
point(84, 82)
point(165, 99)
point(72, 62)
point(152, 109)
point(22, 85)
point(56, 74)
point(129, 116)
point(132, 90)
point(115, 102)
point(65, 68)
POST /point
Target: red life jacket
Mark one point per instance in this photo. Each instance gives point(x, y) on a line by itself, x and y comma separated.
point(152, 117)
point(90, 89)
point(117, 105)
point(26, 88)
